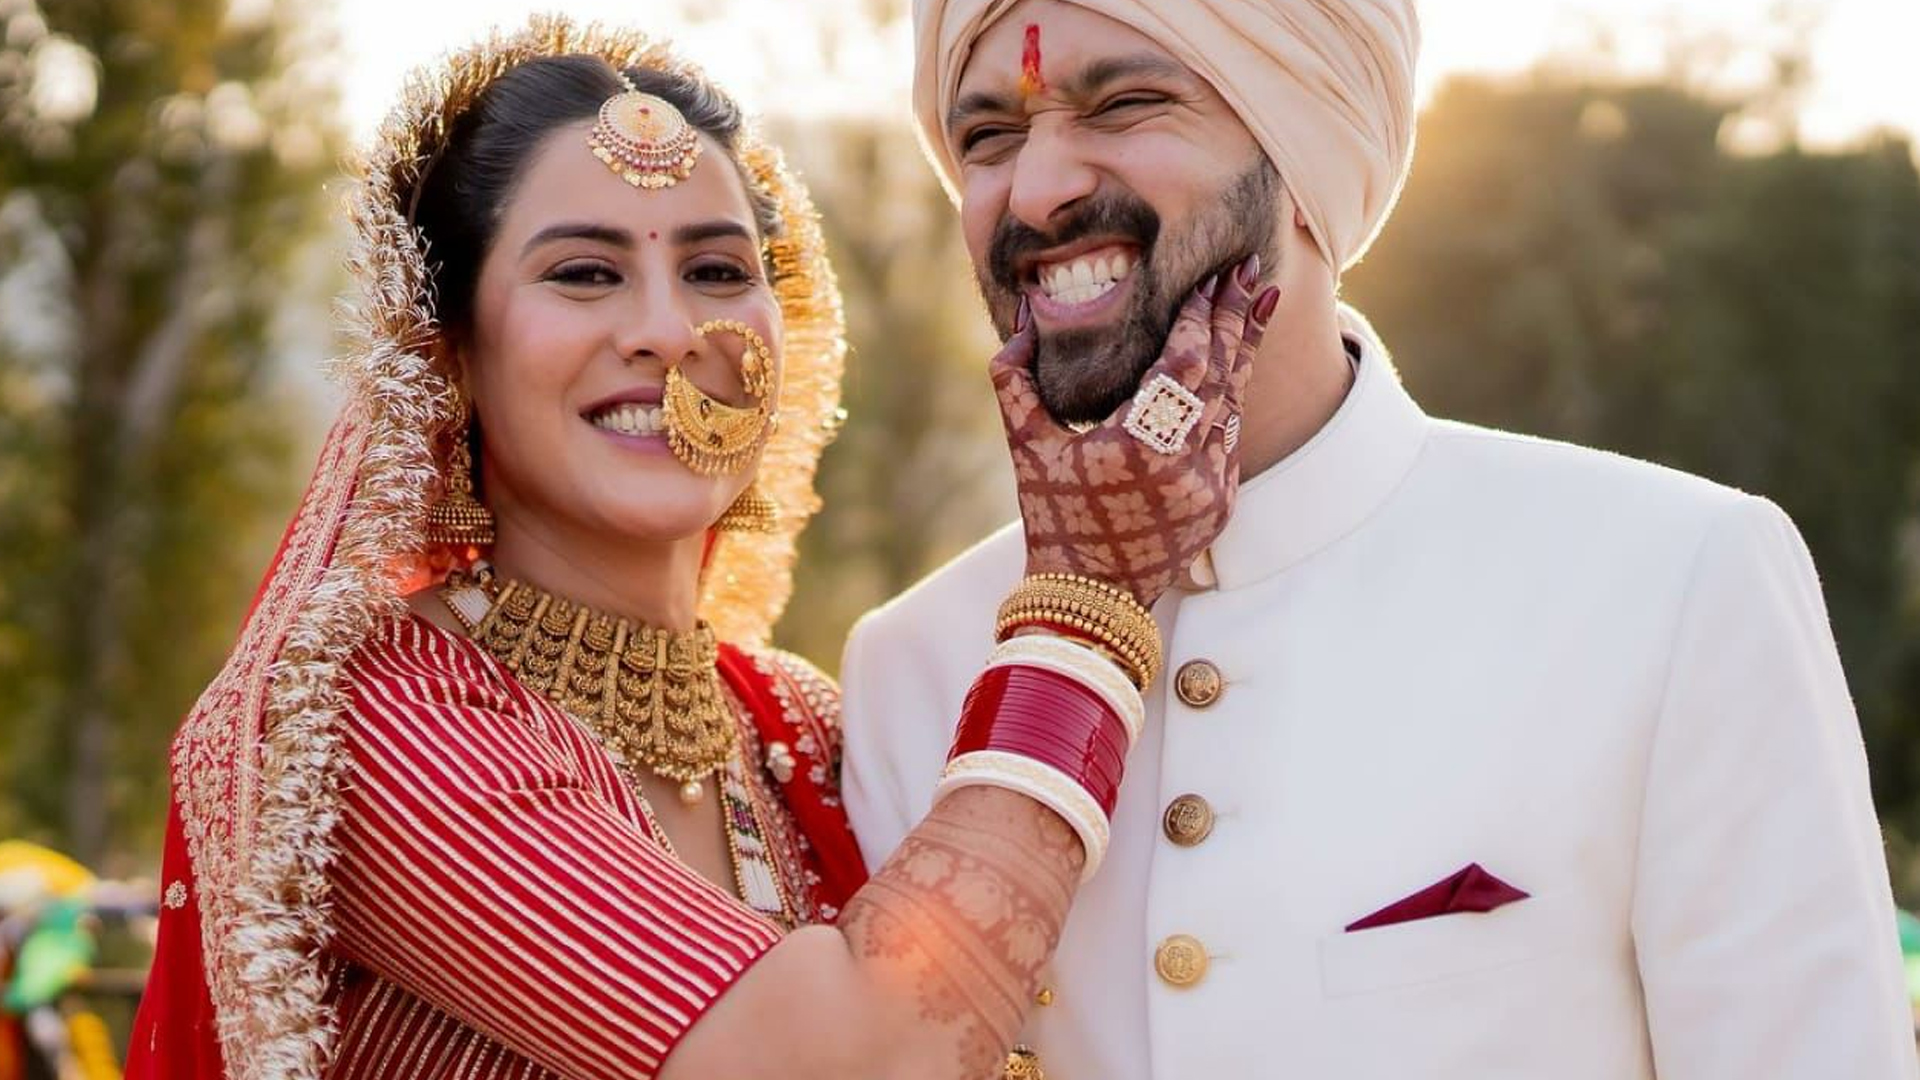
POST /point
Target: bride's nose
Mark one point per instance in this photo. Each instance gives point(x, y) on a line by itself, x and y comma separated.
point(658, 328)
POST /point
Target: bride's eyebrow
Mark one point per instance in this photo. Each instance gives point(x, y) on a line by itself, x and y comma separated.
point(580, 230)
point(717, 229)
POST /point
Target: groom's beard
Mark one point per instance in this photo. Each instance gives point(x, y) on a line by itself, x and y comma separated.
point(1084, 375)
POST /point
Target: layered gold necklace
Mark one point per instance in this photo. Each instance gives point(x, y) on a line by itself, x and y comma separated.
point(653, 696)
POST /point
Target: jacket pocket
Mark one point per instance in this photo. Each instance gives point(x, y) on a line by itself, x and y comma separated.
point(1445, 946)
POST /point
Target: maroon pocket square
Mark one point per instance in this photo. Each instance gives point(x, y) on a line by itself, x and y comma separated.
point(1469, 889)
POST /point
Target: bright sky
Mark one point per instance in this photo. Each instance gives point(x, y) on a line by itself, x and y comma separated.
point(782, 55)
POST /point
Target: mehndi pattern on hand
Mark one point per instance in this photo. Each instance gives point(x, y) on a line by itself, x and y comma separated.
point(1102, 502)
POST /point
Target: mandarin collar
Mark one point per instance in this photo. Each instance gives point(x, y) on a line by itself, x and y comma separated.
point(1328, 487)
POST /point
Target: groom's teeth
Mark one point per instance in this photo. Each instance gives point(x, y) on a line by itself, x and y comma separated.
point(1084, 279)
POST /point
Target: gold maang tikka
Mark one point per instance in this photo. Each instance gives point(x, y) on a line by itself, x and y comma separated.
point(712, 437)
point(644, 139)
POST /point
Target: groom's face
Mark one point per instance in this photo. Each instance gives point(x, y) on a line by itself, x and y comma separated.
point(1101, 180)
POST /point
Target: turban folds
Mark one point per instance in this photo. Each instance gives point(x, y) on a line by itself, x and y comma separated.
point(1325, 86)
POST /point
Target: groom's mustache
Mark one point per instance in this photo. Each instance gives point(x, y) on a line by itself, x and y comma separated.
point(1116, 216)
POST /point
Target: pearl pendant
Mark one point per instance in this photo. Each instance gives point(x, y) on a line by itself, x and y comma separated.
point(692, 792)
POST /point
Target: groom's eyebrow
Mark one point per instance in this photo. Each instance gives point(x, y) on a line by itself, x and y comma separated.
point(974, 104)
point(1089, 81)
point(1086, 83)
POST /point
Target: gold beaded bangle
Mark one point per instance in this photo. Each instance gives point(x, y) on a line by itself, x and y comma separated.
point(1142, 655)
point(1109, 615)
point(1088, 599)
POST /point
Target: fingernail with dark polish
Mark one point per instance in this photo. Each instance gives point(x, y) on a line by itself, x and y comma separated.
point(1250, 272)
point(1206, 287)
point(1263, 307)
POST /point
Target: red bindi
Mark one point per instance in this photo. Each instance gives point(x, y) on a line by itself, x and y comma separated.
point(1031, 81)
point(653, 236)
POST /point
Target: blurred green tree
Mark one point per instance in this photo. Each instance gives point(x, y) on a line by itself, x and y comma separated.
point(1651, 270)
point(919, 472)
point(162, 170)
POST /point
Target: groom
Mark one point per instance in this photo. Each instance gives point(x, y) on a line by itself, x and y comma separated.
point(1476, 755)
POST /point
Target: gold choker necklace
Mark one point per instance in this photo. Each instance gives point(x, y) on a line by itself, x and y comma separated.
point(653, 696)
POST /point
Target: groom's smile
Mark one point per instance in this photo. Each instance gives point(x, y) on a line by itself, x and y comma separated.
point(1101, 181)
point(1080, 288)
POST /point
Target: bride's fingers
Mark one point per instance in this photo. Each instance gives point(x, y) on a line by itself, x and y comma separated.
point(1224, 395)
point(1229, 323)
point(1184, 359)
point(1012, 374)
point(1240, 372)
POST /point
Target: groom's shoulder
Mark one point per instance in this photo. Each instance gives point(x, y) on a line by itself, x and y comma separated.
point(965, 592)
point(1498, 468)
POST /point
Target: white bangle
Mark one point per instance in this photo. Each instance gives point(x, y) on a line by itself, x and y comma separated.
point(1082, 664)
point(1040, 782)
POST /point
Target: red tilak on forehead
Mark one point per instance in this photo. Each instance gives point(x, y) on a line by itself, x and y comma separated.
point(1031, 81)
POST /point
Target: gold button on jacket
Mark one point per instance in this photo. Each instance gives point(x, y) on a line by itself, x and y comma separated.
point(1180, 961)
point(1198, 683)
point(1188, 820)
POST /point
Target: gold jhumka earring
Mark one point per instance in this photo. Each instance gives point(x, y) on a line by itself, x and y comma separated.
point(752, 512)
point(457, 518)
point(711, 437)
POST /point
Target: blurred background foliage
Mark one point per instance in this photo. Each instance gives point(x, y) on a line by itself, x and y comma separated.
point(1641, 265)
point(163, 172)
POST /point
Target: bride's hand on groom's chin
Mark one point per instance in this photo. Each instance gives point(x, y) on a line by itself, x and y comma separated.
point(1105, 503)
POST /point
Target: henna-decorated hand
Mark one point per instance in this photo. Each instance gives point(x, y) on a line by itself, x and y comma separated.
point(1103, 504)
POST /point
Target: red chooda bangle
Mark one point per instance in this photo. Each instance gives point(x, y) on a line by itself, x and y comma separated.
point(1050, 718)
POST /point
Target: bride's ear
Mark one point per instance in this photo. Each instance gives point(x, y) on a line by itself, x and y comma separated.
point(450, 354)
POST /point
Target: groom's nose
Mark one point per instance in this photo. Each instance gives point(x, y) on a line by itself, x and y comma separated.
point(1049, 177)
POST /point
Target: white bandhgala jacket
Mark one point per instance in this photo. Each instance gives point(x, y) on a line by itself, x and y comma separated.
point(1610, 685)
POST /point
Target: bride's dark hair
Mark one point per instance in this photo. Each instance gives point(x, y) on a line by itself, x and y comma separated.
point(465, 191)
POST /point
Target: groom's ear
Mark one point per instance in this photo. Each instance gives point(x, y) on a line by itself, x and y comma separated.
point(1299, 215)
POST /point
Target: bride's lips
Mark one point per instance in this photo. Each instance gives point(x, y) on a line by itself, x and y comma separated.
point(631, 419)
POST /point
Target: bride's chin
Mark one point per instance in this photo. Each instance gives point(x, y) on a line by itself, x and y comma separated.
point(663, 520)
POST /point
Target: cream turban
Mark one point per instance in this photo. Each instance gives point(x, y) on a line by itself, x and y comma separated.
point(1326, 86)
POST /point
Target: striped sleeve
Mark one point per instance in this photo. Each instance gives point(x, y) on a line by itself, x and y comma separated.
point(475, 869)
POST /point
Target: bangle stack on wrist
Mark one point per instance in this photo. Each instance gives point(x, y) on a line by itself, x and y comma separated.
point(1094, 611)
point(1052, 717)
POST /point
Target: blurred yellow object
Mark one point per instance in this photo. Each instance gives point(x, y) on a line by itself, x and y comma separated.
point(29, 872)
point(92, 1046)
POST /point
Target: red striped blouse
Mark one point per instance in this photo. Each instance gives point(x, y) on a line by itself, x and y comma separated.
point(501, 908)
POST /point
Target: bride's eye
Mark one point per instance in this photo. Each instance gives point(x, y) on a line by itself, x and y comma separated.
point(583, 274)
point(719, 272)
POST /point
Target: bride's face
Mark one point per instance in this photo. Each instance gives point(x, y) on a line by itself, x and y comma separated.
point(591, 290)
